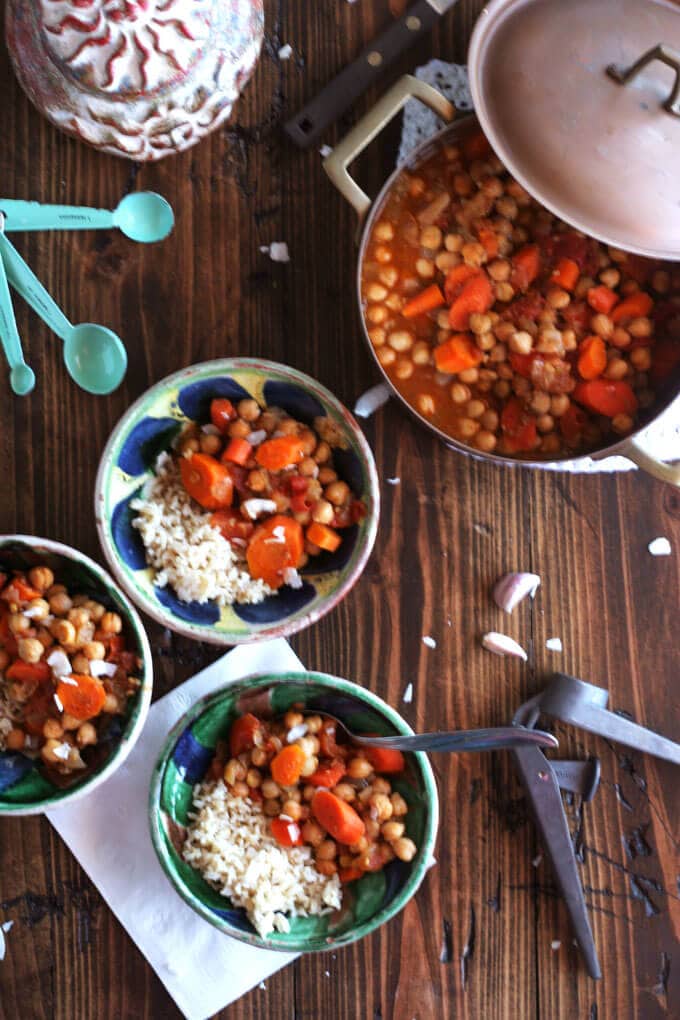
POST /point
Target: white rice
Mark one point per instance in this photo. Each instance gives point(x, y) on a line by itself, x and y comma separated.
point(184, 549)
point(229, 842)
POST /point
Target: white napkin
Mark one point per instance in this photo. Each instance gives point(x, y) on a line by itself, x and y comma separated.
point(108, 832)
point(662, 438)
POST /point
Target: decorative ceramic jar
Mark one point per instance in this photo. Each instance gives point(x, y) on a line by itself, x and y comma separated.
point(135, 78)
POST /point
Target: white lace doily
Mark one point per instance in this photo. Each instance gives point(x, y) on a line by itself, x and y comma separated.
point(662, 439)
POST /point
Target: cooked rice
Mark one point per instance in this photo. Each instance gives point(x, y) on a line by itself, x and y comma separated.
point(184, 549)
point(229, 842)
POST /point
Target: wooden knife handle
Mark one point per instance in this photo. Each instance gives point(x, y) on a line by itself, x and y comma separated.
point(308, 124)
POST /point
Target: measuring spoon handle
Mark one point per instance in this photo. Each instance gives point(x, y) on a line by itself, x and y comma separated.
point(494, 739)
point(27, 284)
point(11, 341)
point(22, 215)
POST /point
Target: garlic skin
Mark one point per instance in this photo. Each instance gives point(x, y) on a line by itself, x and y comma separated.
point(510, 589)
point(501, 644)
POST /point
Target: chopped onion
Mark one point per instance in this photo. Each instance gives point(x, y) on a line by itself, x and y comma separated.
point(429, 641)
point(62, 751)
point(658, 547)
point(292, 578)
point(295, 732)
point(257, 437)
point(286, 52)
point(554, 644)
point(394, 481)
point(33, 611)
point(59, 663)
point(510, 589)
point(501, 644)
point(408, 695)
point(371, 400)
point(277, 251)
point(325, 151)
point(100, 668)
point(58, 703)
point(68, 680)
point(255, 507)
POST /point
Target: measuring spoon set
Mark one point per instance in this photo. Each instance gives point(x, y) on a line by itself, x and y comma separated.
point(94, 356)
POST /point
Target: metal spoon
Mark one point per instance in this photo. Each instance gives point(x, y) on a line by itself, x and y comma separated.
point(496, 738)
point(21, 377)
point(142, 216)
point(94, 356)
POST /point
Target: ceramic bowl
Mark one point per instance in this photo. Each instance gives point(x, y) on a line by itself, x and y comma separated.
point(23, 788)
point(150, 426)
point(367, 903)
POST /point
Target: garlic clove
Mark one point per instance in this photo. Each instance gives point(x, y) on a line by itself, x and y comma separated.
point(501, 644)
point(510, 589)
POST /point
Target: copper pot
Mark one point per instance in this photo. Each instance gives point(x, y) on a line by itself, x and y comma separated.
point(336, 167)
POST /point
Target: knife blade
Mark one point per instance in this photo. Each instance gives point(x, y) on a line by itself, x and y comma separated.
point(306, 127)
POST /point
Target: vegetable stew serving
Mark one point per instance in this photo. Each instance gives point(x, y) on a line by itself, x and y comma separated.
point(504, 327)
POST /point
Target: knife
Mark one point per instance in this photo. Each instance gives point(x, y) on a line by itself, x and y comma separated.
point(308, 124)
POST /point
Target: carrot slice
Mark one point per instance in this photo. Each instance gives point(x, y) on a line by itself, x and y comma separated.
point(222, 411)
point(286, 833)
point(607, 397)
point(276, 545)
point(349, 874)
point(337, 817)
point(386, 760)
point(243, 733)
point(84, 699)
point(565, 274)
point(286, 767)
point(526, 265)
point(19, 590)
point(237, 450)
point(488, 238)
point(207, 481)
point(476, 296)
point(428, 299)
point(602, 298)
point(455, 278)
point(592, 357)
point(280, 452)
point(28, 672)
point(323, 536)
point(456, 354)
point(329, 774)
point(632, 307)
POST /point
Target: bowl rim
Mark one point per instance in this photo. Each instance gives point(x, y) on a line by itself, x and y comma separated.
point(263, 679)
point(278, 629)
point(127, 741)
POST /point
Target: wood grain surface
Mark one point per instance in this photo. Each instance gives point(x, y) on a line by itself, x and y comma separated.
point(486, 938)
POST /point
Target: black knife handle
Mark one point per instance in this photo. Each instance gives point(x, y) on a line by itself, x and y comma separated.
point(308, 124)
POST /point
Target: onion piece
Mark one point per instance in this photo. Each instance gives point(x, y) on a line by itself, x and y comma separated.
point(371, 400)
point(408, 695)
point(59, 663)
point(554, 644)
point(501, 644)
point(660, 547)
point(295, 733)
point(510, 589)
point(256, 437)
point(100, 668)
point(255, 507)
point(292, 578)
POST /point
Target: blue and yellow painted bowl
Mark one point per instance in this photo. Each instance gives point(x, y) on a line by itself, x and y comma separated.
point(367, 903)
point(150, 426)
point(24, 790)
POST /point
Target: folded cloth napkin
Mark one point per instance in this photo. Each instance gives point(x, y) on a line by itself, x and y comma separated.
point(662, 438)
point(108, 832)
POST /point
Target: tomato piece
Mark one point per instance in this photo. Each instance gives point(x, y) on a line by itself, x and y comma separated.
point(231, 525)
point(327, 743)
point(521, 363)
point(572, 424)
point(606, 396)
point(39, 707)
point(298, 484)
point(328, 774)
point(222, 412)
point(526, 265)
point(19, 590)
point(519, 427)
point(286, 833)
point(243, 734)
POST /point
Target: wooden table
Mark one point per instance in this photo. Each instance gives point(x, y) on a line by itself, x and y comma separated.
point(486, 936)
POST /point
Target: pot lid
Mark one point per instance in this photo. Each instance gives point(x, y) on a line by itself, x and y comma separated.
point(601, 153)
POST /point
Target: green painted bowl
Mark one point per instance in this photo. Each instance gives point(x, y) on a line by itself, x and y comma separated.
point(149, 427)
point(23, 788)
point(189, 749)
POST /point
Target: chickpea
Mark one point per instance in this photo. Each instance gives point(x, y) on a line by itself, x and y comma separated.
point(326, 851)
point(365, 795)
point(498, 353)
point(404, 848)
point(48, 749)
point(467, 427)
point(489, 420)
point(86, 735)
point(610, 277)
point(253, 778)
point(399, 805)
point(41, 578)
point(189, 446)
point(641, 359)
point(454, 242)
point(446, 260)
point(602, 325)
point(359, 768)
point(40, 609)
point(504, 371)
point(386, 356)
point(389, 276)
point(521, 342)
point(392, 830)
point(475, 408)
point(52, 729)
point(395, 302)
point(420, 354)
point(622, 423)
point(404, 368)
point(474, 254)
point(569, 341)
point(400, 340)
point(431, 238)
point(425, 404)
point(345, 791)
point(95, 609)
point(60, 604)
point(292, 809)
point(620, 338)
point(18, 623)
point(326, 867)
point(661, 282)
point(376, 292)
point(94, 650)
point(545, 423)
point(234, 771)
point(238, 429)
point(616, 369)
point(460, 393)
point(462, 184)
point(559, 404)
point(111, 704)
point(499, 270)
point(15, 740)
point(30, 649)
point(383, 231)
point(640, 327)
point(381, 807)
point(111, 623)
point(521, 386)
point(469, 375)
point(425, 268)
point(210, 443)
point(558, 298)
point(540, 402)
point(507, 207)
point(485, 441)
point(480, 323)
point(259, 757)
point(240, 789)
point(308, 744)
point(312, 833)
point(377, 314)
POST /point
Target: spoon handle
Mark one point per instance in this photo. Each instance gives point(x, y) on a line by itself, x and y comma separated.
point(493, 739)
point(9, 336)
point(22, 215)
point(27, 284)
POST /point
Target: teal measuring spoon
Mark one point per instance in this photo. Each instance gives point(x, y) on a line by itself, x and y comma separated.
point(21, 377)
point(94, 356)
point(142, 216)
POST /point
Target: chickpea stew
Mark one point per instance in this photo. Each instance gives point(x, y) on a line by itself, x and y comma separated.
point(319, 791)
point(501, 325)
point(66, 672)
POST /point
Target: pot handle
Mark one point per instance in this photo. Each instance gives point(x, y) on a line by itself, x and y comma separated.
point(652, 465)
point(370, 126)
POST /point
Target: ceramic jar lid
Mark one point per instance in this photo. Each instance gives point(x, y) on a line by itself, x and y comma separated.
point(602, 154)
point(136, 78)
